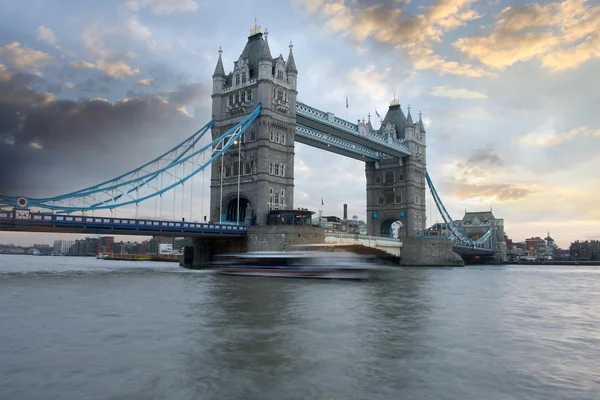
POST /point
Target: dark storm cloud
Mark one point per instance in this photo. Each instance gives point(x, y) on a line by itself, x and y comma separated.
point(486, 156)
point(49, 146)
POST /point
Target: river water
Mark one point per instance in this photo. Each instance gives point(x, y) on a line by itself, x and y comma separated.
point(81, 328)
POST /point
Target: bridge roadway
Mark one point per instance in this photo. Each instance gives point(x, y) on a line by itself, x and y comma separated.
point(26, 221)
point(471, 251)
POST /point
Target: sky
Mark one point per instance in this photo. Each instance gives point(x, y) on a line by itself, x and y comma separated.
point(508, 91)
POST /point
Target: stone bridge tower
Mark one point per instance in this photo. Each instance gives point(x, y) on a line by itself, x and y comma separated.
point(267, 147)
point(396, 187)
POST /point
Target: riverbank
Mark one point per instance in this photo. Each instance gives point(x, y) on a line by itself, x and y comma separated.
point(143, 257)
point(593, 263)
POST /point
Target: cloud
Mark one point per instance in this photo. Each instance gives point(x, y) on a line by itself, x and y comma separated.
point(109, 61)
point(486, 156)
point(562, 35)
point(46, 35)
point(144, 82)
point(162, 7)
point(69, 85)
point(552, 138)
point(101, 137)
point(388, 22)
point(116, 69)
point(136, 29)
point(81, 65)
point(488, 192)
point(22, 57)
point(480, 179)
point(455, 93)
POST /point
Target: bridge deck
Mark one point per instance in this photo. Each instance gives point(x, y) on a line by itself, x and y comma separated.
point(472, 251)
point(44, 222)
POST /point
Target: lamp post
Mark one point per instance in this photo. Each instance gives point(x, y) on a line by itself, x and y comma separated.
point(239, 145)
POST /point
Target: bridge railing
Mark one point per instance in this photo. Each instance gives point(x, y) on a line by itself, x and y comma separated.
point(32, 218)
point(358, 237)
point(349, 127)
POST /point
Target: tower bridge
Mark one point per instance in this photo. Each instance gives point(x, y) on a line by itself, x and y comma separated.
point(256, 122)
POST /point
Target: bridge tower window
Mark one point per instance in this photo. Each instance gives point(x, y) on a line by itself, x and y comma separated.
point(237, 79)
point(249, 95)
point(280, 74)
point(389, 176)
point(417, 199)
point(243, 77)
point(380, 200)
point(377, 177)
point(253, 135)
point(398, 198)
point(389, 197)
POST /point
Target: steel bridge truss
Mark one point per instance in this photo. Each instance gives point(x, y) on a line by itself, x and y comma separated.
point(456, 234)
point(151, 180)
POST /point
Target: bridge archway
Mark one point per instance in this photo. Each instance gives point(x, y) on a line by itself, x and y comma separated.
point(391, 228)
point(231, 209)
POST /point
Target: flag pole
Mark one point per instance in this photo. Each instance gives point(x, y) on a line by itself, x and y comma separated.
point(346, 108)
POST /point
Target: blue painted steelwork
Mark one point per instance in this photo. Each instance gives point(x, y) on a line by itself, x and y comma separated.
point(185, 146)
point(457, 235)
point(323, 138)
point(348, 127)
point(102, 197)
point(24, 220)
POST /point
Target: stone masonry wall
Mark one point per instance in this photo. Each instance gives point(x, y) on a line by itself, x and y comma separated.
point(429, 252)
point(282, 237)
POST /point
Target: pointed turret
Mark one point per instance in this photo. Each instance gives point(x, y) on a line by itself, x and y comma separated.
point(369, 126)
point(219, 70)
point(219, 77)
point(266, 51)
point(409, 120)
point(291, 64)
point(421, 123)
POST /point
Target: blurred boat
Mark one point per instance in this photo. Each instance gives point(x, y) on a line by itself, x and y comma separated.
point(298, 264)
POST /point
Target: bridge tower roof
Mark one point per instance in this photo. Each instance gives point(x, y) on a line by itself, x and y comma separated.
point(256, 49)
point(394, 116)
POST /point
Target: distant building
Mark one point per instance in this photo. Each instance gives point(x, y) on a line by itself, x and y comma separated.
point(62, 247)
point(43, 249)
point(551, 248)
point(536, 248)
point(585, 251)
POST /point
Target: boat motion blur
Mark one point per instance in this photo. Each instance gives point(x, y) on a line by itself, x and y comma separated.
point(298, 264)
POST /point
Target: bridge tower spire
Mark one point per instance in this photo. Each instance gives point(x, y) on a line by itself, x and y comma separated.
point(266, 150)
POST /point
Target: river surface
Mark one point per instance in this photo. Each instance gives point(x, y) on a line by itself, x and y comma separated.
point(81, 328)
